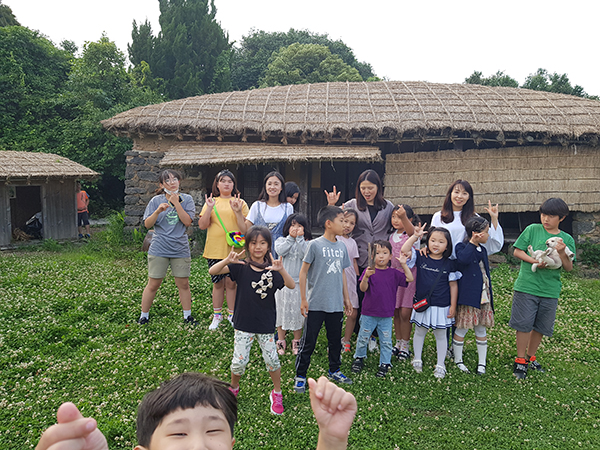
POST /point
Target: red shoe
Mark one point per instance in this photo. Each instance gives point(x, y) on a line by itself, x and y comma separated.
point(235, 391)
point(276, 403)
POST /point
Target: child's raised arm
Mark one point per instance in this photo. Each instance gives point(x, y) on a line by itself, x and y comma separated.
point(364, 283)
point(407, 273)
point(334, 410)
point(277, 266)
point(409, 229)
point(221, 267)
point(418, 234)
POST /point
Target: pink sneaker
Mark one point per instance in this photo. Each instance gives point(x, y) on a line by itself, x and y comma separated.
point(235, 391)
point(276, 403)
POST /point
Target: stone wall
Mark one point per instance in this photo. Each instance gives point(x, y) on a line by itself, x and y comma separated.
point(141, 179)
point(586, 227)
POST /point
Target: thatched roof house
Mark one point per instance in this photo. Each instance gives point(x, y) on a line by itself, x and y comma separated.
point(39, 182)
point(516, 146)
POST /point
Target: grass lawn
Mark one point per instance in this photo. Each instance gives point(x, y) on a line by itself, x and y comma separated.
point(68, 332)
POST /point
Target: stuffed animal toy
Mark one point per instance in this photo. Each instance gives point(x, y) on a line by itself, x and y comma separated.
point(550, 256)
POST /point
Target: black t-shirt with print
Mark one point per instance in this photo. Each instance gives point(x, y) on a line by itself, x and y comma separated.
point(255, 310)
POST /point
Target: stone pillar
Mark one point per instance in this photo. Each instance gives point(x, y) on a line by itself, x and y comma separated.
point(586, 227)
point(141, 180)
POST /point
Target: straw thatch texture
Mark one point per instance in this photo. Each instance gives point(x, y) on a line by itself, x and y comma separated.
point(376, 111)
point(194, 154)
point(30, 165)
point(519, 179)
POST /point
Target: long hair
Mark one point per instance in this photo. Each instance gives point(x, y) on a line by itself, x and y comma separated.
point(220, 175)
point(446, 234)
point(371, 176)
point(468, 209)
point(164, 176)
point(300, 219)
point(251, 235)
point(263, 196)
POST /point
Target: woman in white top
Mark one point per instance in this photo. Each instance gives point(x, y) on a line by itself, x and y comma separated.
point(458, 207)
point(271, 210)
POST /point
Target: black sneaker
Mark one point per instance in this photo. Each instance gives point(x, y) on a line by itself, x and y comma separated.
point(520, 368)
point(357, 365)
point(534, 365)
point(395, 351)
point(383, 370)
point(143, 320)
point(190, 319)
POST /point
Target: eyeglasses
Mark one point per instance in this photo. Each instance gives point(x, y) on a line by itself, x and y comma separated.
point(171, 181)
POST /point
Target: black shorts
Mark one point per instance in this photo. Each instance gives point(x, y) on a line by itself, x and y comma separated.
point(216, 278)
point(83, 218)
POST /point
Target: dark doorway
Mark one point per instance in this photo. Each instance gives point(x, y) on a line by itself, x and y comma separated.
point(26, 203)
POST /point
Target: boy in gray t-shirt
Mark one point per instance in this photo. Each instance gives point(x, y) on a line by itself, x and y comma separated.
point(323, 267)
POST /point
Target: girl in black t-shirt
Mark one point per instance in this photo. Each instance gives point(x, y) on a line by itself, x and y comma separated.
point(437, 281)
point(257, 278)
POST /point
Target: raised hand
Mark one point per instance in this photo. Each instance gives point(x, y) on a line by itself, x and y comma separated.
point(72, 432)
point(401, 212)
point(234, 257)
point(402, 258)
point(493, 212)
point(236, 203)
point(276, 264)
point(420, 231)
point(210, 201)
point(332, 197)
point(334, 410)
point(293, 231)
point(162, 207)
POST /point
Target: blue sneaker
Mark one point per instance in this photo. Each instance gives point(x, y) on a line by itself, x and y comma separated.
point(339, 377)
point(300, 385)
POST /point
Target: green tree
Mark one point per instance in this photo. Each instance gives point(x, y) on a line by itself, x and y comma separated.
point(251, 58)
point(498, 79)
point(307, 63)
point(7, 18)
point(191, 54)
point(542, 80)
point(32, 75)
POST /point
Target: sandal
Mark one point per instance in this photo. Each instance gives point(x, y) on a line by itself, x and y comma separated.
point(402, 355)
point(480, 369)
point(461, 366)
point(281, 347)
point(295, 346)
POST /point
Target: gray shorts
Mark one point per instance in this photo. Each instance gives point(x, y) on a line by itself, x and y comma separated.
point(530, 312)
point(158, 265)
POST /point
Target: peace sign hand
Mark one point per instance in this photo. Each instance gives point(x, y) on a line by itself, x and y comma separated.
point(210, 201)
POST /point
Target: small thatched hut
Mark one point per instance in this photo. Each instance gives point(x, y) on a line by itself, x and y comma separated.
point(517, 147)
point(39, 182)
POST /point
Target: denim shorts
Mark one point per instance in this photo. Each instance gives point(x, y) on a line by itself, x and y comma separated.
point(530, 312)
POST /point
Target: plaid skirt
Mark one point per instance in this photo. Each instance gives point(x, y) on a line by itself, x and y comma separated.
point(468, 317)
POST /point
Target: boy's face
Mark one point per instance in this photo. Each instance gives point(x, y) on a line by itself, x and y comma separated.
point(550, 223)
point(382, 257)
point(336, 225)
point(185, 429)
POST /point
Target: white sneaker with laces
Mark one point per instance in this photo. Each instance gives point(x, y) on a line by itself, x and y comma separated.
point(215, 322)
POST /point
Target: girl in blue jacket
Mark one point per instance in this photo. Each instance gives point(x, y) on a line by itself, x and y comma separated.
point(475, 303)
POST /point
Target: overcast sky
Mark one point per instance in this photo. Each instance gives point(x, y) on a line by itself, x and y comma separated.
point(432, 40)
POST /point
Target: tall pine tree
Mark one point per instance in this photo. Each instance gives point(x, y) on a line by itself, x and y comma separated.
point(191, 54)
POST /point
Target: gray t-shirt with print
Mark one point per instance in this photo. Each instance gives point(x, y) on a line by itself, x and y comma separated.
point(170, 239)
point(325, 281)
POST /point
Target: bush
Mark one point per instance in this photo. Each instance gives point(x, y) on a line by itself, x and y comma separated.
point(590, 253)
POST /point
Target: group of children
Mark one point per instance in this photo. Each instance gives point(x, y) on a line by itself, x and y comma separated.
point(315, 281)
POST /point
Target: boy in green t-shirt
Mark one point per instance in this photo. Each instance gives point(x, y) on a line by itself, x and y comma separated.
point(536, 293)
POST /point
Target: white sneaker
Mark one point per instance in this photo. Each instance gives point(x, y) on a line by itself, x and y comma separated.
point(418, 365)
point(439, 372)
point(215, 322)
point(373, 344)
point(230, 319)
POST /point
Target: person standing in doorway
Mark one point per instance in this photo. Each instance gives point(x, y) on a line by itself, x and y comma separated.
point(83, 215)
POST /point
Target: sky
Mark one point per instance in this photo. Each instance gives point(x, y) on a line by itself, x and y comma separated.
point(440, 41)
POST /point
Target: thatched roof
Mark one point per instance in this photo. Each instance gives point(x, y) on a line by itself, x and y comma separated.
point(193, 153)
point(32, 165)
point(518, 179)
point(372, 112)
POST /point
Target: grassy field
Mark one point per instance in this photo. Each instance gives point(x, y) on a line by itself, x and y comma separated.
point(68, 332)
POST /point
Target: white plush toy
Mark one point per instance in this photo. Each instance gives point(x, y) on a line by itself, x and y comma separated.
point(550, 256)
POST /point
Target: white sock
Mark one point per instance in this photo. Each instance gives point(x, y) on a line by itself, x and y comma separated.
point(458, 350)
point(482, 351)
point(404, 345)
point(187, 313)
point(276, 392)
point(418, 341)
point(145, 315)
point(441, 345)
